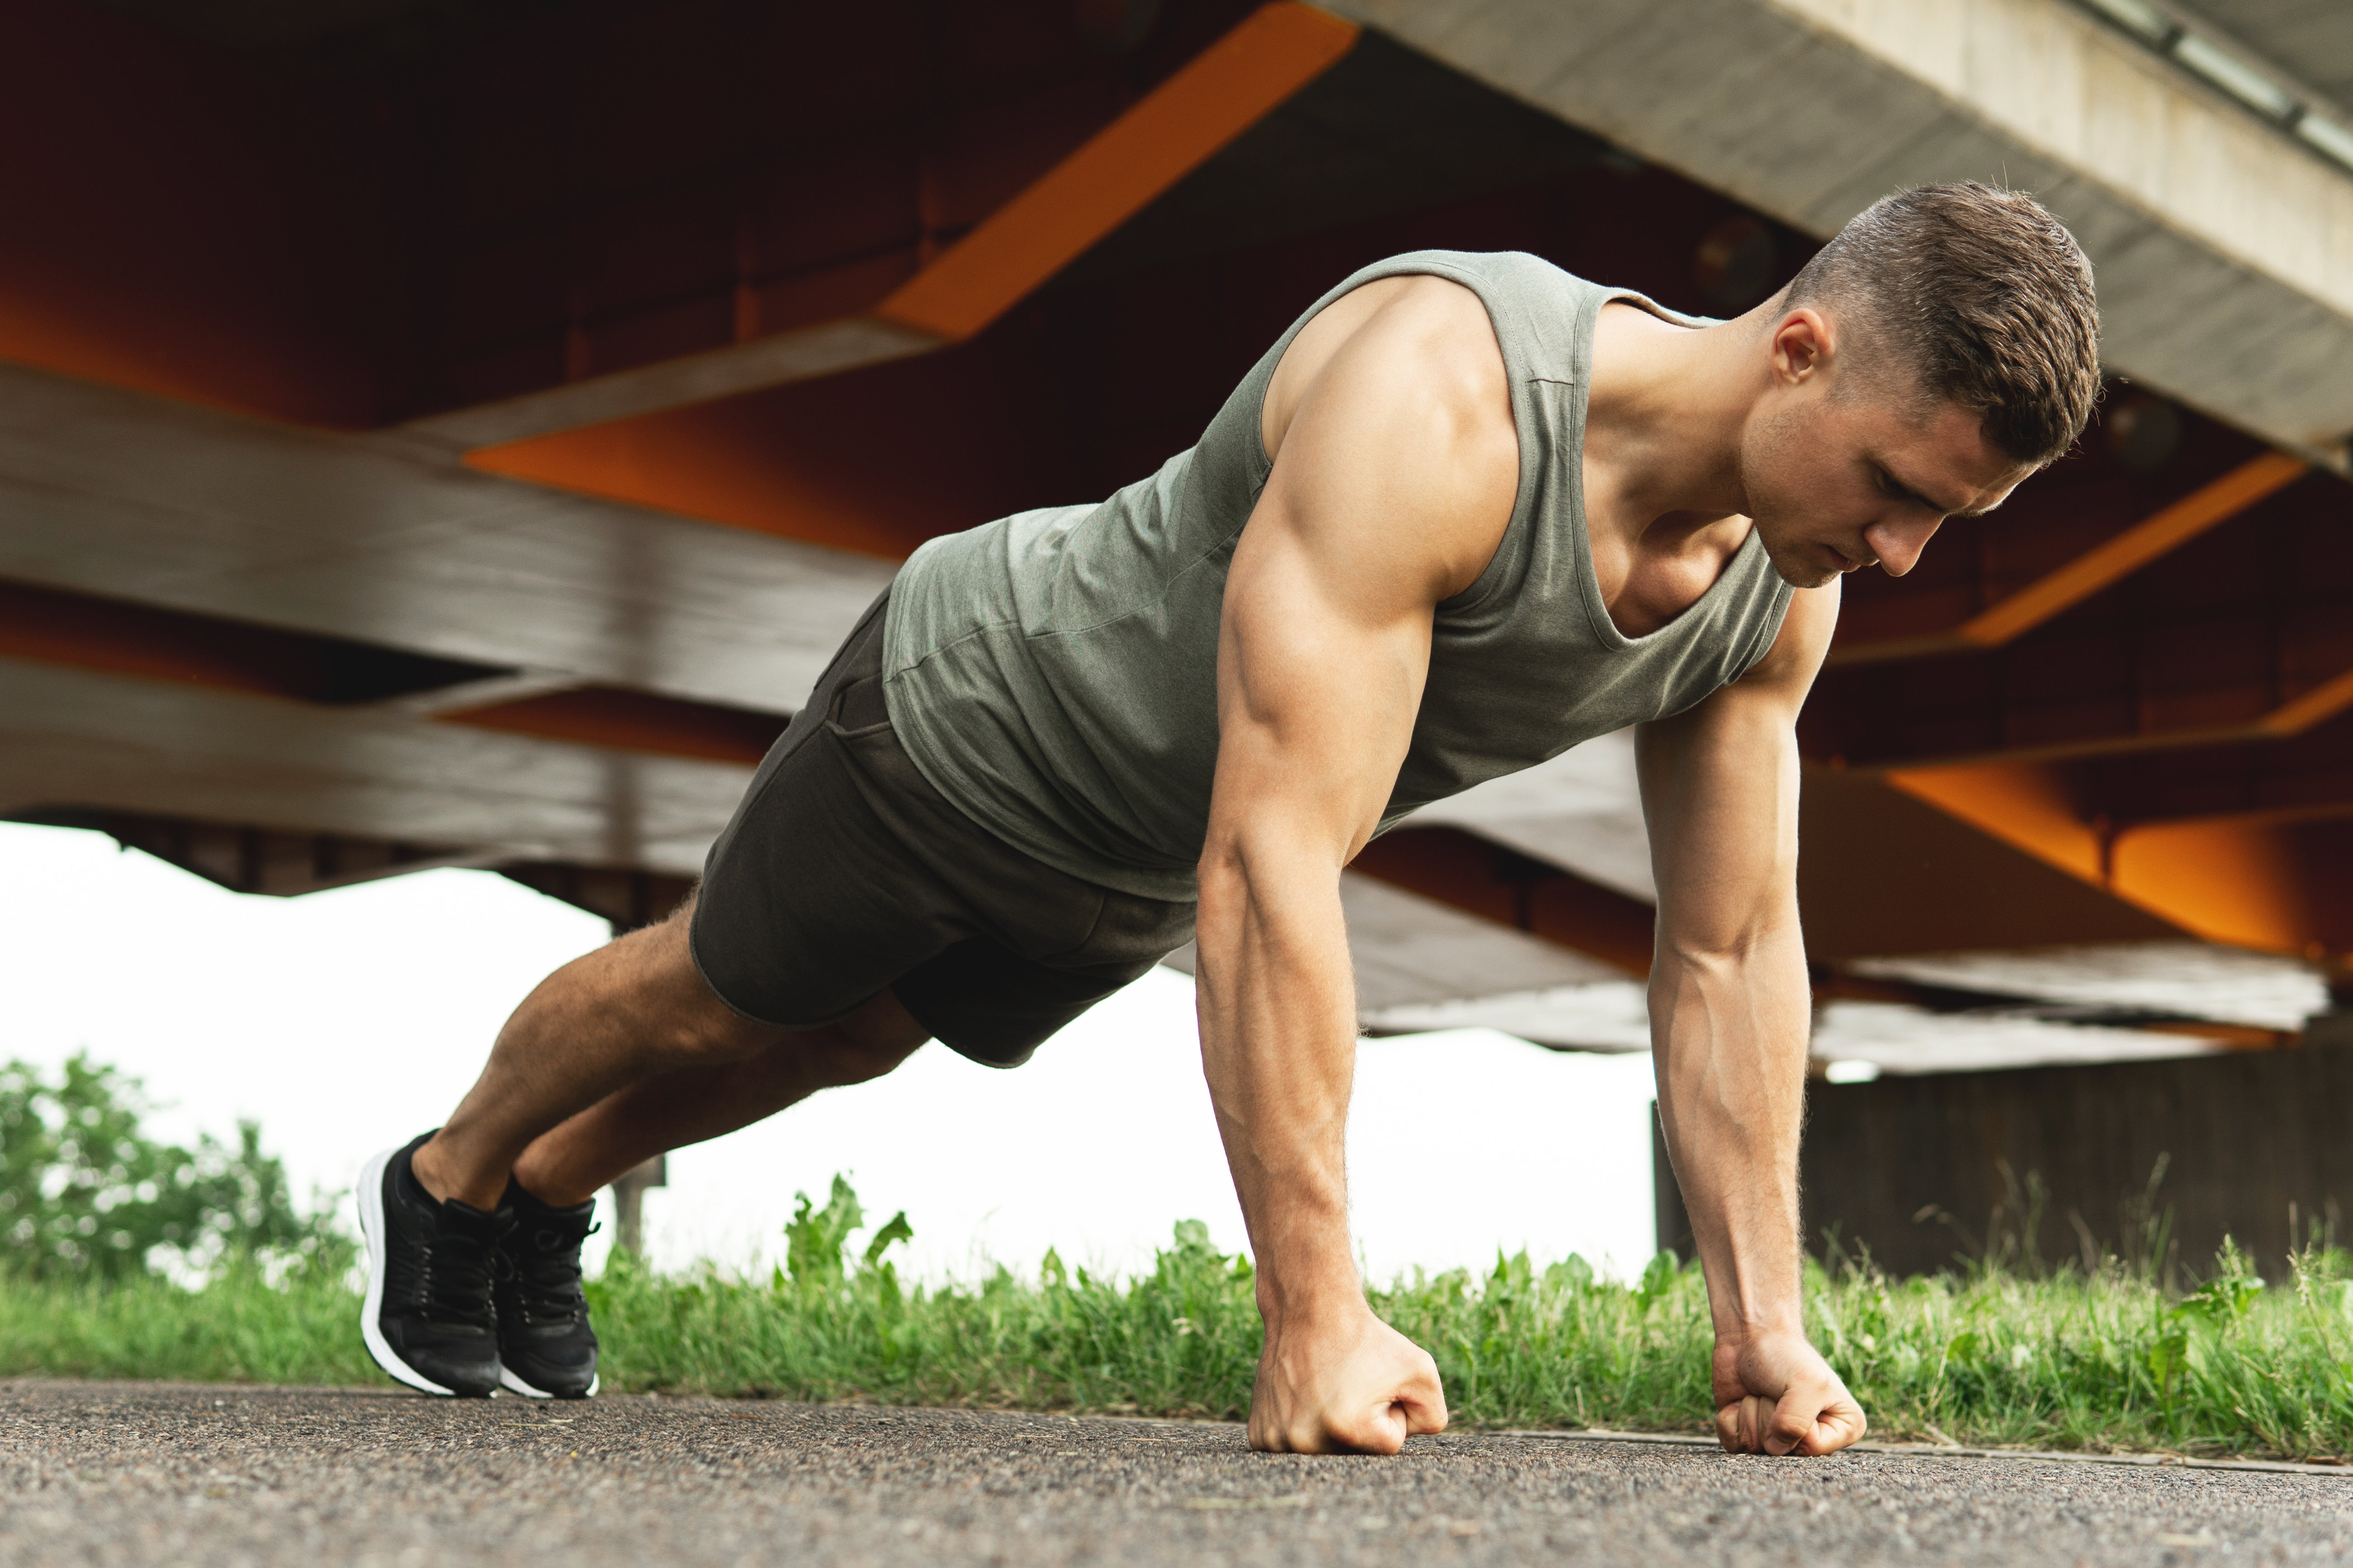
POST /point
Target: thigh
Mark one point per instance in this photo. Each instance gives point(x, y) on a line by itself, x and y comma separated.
point(997, 1006)
point(845, 871)
point(809, 907)
point(805, 911)
point(647, 983)
point(983, 1000)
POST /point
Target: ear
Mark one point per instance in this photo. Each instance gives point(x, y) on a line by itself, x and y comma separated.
point(1803, 342)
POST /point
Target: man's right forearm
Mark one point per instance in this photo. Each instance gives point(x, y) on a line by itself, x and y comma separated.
point(1277, 1044)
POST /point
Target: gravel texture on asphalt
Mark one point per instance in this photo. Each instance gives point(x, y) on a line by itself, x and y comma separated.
point(95, 1473)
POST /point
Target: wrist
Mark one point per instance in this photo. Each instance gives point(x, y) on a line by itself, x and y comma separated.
point(1748, 1299)
point(1764, 1326)
point(1307, 1299)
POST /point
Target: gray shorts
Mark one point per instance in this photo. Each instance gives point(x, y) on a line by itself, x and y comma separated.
point(844, 872)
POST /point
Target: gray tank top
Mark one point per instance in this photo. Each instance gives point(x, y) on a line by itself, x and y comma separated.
point(1054, 673)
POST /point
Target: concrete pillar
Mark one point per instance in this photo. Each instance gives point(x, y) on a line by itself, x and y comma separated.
point(628, 1201)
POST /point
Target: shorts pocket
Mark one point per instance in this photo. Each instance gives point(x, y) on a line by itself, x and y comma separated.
point(858, 708)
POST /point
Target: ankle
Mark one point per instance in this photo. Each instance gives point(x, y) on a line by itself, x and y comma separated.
point(544, 1187)
point(523, 1199)
point(444, 1178)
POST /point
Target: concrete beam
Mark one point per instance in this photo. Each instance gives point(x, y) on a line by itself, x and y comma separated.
point(117, 743)
point(1407, 950)
point(374, 539)
point(2224, 250)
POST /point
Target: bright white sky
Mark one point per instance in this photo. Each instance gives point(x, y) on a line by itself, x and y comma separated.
point(349, 1020)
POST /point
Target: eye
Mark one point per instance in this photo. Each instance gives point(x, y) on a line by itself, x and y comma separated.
point(1887, 482)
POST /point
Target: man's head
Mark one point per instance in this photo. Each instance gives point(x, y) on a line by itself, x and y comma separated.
point(1943, 347)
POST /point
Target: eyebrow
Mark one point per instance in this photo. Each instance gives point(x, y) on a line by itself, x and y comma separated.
point(1899, 482)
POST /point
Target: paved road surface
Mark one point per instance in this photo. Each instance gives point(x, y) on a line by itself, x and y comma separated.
point(130, 1473)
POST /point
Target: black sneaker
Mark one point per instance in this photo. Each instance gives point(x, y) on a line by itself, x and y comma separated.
point(427, 1320)
point(546, 1349)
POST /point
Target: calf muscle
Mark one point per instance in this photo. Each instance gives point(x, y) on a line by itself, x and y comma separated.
point(625, 1052)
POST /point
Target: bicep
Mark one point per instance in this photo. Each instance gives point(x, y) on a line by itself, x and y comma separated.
point(1720, 786)
point(1319, 676)
point(1393, 485)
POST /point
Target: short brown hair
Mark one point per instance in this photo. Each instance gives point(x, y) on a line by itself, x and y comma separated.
point(1987, 298)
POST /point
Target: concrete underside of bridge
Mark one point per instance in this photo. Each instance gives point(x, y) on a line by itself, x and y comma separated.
point(430, 436)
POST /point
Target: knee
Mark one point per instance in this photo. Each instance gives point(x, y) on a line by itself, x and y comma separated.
point(851, 1050)
point(871, 1041)
point(714, 1036)
point(648, 983)
point(833, 1058)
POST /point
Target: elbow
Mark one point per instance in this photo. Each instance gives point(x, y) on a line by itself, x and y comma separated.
point(1767, 935)
point(1258, 859)
point(1258, 877)
point(1223, 877)
point(1222, 864)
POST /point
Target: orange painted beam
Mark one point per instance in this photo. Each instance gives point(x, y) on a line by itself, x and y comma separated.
point(1160, 139)
point(2162, 532)
point(1165, 135)
point(2229, 880)
point(51, 626)
point(186, 222)
point(2294, 717)
point(2158, 534)
point(2023, 805)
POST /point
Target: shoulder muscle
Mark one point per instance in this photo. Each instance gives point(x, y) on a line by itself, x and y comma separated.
point(1389, 422)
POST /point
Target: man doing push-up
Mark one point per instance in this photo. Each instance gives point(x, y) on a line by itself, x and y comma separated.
point(1469, 511)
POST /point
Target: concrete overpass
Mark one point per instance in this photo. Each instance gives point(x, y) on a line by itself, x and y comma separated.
point(437, 436)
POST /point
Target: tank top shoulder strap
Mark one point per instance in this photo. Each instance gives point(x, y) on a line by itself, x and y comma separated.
point(1536, 307)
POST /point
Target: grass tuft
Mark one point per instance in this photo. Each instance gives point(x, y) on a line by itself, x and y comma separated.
point(2102, 1361)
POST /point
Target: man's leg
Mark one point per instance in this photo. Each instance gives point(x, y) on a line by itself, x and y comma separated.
point(624, 1053)
point(474, 1234)
point(568, 1164)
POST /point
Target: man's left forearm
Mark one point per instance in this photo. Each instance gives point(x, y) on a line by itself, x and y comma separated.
point(1730, 1013)
point(1729, 1035)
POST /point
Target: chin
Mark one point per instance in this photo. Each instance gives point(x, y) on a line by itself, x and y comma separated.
point(1800, 574)
point(1796, 560)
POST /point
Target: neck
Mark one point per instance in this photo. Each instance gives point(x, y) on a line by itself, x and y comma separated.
point(1664, 420)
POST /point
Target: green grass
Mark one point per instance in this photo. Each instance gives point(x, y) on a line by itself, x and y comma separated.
point(238, 1327)
point(2065, 1360)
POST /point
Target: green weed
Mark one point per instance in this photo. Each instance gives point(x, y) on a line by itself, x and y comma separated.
point(2058, 1358)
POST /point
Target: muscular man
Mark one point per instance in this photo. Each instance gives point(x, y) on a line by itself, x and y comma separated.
point(1469, 511)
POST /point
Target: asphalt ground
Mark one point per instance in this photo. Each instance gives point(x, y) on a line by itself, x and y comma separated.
point(96, 1473)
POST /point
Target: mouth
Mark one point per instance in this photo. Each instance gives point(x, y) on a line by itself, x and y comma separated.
point(1845, 563)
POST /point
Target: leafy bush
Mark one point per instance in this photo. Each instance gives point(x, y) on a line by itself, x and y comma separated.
point(84, 1193)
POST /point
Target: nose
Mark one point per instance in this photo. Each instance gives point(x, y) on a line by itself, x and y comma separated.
point(1898, 545)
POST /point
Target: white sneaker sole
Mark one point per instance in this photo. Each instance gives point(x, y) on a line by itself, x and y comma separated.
point(373, 1231)
point(509, 1381)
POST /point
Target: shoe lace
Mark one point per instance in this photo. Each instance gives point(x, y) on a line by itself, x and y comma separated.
point(447, 1281)
point(539, 1271)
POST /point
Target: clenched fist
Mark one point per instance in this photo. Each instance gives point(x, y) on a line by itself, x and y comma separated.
point(1354, 1386)
point(1776, 1394)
